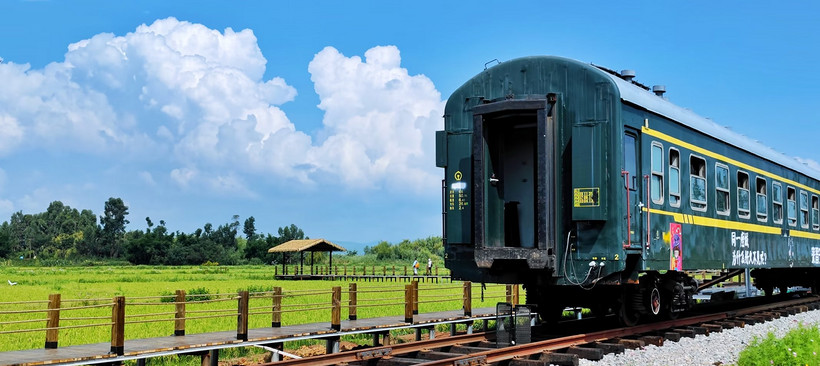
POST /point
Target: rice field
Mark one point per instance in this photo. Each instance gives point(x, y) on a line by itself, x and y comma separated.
point(212, 305)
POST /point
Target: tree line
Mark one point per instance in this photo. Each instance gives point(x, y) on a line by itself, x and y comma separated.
point(63, 234)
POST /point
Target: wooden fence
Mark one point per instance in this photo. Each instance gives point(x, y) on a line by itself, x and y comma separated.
point(180, 308)
point(344, 270)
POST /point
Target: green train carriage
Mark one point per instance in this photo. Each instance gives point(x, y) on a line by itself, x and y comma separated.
point(593, 191)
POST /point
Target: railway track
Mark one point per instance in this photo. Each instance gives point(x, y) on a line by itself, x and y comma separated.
point(480, 348)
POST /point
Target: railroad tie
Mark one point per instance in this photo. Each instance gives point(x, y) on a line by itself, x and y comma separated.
point(467, 350)
point(672, 336)
point(436, 355)
point(699, 330)
point(559, 359)
point(750, 320)
point(713, 328)
point(726, 324)
point(592, 354)
point(655, 340)
point(631, 343)
point(688, 333)
point(522, 362)
point(608, 348)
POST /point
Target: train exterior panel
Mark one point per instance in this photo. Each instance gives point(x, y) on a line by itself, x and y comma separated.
point(569, 177)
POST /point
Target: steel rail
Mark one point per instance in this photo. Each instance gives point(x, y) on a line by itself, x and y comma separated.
point(375, 352)
point(507, 353)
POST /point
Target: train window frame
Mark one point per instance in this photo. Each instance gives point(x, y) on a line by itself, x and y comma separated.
point(656, 173)
point(743, 185)
point(722, 192)
point(815, 212)
point(693, 203)
point(674, 165)
point(777, 201)
point(791, 206)
point(764, 215)
point(804, 209)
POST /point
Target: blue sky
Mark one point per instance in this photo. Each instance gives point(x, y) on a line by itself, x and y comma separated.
point(322, 114)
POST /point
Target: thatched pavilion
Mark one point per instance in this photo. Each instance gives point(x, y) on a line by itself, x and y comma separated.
point(306, 245)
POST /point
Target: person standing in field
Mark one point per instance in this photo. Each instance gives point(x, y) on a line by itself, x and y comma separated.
point(429, 267)
point(415, 267)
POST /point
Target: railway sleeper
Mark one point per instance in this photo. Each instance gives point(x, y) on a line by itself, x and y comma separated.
point(397, 361)
point(727, 324)
point(437, 355)
point(699, 330)
point(559, 359)
point(688, 333)
point(631, 343)
point(713, 328)
point(609, 347)
point(654, 340)
point(468, 350)
point(671, 336)
point(547, 359)
point(589, 353)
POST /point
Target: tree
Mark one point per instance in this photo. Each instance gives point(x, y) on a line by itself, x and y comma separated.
point(113, 224)
point(250, 229)
point(289, 233)
point(5, 240)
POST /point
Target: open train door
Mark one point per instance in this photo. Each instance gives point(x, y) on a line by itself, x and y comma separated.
point(514, 178)
point(632, 188)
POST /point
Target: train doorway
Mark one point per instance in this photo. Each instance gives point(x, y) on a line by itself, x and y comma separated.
point(510, 170)
point(513, 198)
point(632, 184)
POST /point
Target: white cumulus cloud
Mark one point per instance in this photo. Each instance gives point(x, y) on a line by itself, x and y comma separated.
point(379, 120)
point(195, 98)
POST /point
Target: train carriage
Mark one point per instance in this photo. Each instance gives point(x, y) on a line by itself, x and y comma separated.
point(592, 190)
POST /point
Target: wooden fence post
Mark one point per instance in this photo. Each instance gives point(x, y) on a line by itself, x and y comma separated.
point(242, 317)
point(118, 326)
point(509, 294)
point(276, 316)
point(408, 303)
point(336, 308)
point(179, 322)
point(468, 298)
point(405, 270)
point(394, 270)
point(53, 321)
point(415, 297)
point(384, 270)
point(353, 297)
point(515, 295)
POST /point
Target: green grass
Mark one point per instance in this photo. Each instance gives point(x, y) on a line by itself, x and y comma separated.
point(800, 346)
point(90, 286)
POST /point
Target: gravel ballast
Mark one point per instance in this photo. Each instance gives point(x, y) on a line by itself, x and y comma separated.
point(716, 349)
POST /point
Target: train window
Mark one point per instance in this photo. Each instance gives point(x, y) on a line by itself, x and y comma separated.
point(762, 205)
point(674, 177)
point(722, 189)
point(815, 213)
point(656, 186)
point(697, 183)
point(804, 210)
point(777, 203)
point(743, 205)
point(791, 206)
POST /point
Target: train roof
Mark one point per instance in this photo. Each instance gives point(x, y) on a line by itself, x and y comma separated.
point(643, 98)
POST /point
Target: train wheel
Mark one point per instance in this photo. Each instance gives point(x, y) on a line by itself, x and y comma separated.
point(628, 313)
point(655, 301)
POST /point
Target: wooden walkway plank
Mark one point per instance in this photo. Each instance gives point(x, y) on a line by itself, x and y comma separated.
point(147, 346)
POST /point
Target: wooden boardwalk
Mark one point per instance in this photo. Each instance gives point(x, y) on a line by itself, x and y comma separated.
point(203, 342)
